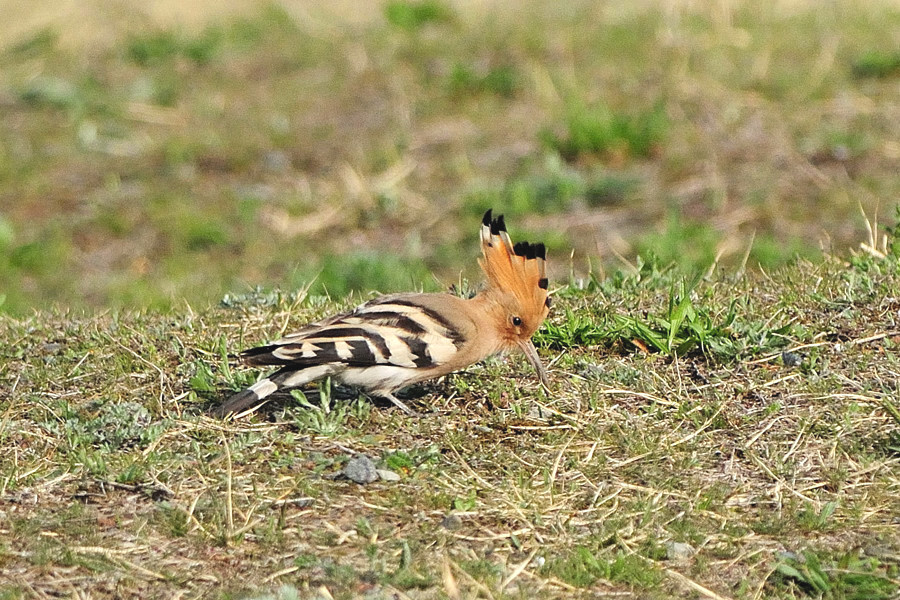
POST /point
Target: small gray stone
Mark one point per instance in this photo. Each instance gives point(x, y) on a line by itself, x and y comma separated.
point(451, 522)
point(276, 161)
point(791, 359)
point(386, 475)
point(679, 550)
point(361, 469)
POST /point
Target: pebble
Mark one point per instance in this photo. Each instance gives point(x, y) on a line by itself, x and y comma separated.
point(679, 550)
point(276, 161)
point(791, 359)
point(386, 475)
point(361, 469)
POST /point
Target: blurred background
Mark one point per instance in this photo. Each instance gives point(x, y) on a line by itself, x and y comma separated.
point(158, 153)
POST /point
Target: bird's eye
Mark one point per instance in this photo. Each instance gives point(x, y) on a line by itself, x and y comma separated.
point(517, 321)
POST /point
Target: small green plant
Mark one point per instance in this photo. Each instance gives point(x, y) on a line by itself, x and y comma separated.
point(850, 576)
point(681, 329)
point(813, 520)
point(545, 193)
point(768, 252)
point(583, 567)
point(41, 41)
point(396, 461)
point(407, 579)
point(305, 560)
point(203, 380)
point(328, 418)
point(502, 80)
point(466, 503)
point(877, 63)
point(7, 233)
point(483, 570)
point(893, 235)
point(886, 402)
point(153, 48)
point(259, 297)
point(576, 330)
point(202, 235)
point(365, 271)
point(552, 188)
point(115, 425)
point(173, 518)
point(599, 130)
point(150, 49)
point(133, 474)
point(606, 189)
point(340, 574)
point(412, 16)
point(689, 245)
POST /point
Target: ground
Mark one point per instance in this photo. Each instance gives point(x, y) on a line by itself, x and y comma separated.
point(753, 453)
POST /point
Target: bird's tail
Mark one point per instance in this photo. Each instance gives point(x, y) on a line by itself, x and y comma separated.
point(248, 398)
point(288, 377)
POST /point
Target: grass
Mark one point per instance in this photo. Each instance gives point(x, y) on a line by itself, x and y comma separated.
point(877, 63)
point(616, 135)
point(146, 163)
point(850, 576)
point(723, 351)
point(673, 416)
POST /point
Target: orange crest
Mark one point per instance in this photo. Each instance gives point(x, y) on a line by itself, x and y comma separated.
point(517, 269)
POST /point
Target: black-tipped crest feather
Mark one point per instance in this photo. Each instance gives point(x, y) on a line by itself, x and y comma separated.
point(518, 268)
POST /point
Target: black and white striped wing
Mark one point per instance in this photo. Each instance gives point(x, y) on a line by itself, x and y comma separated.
point(393, 331)
point(381, 346)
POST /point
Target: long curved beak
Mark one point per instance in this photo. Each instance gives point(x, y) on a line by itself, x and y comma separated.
point(535, 360)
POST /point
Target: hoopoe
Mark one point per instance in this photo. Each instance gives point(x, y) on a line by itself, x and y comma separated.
point(397, 340)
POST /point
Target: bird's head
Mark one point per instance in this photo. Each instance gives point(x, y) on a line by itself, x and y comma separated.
point(517, 287)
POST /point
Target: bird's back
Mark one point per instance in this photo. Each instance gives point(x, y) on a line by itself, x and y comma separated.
point(406, 330)
point(380, 346)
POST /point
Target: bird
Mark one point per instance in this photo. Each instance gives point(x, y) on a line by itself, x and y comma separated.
point(397, 340)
